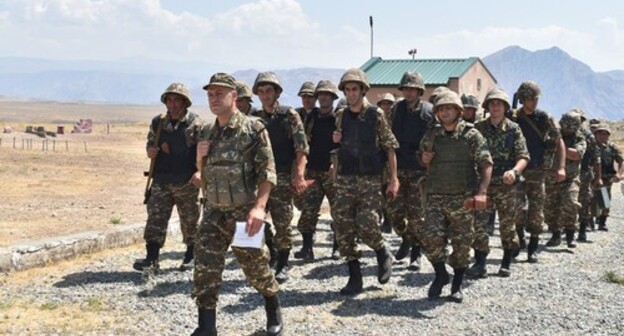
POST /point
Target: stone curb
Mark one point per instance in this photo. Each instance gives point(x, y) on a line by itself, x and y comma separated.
point(51, 250)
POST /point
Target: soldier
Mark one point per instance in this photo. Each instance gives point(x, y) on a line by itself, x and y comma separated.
point(385, 103)
point(563, 203)
point(243, 102)
point(610, 154)
point(438, 91)
point(171, 142)
point(238, 172)
point(471, 106)
point(544, 143)
point(451, 152)
point(319, 127)
point(510, 156)
point(409, 119)
point(363, 132)
point(308, 100)
point(288, 141)
point(590, 175)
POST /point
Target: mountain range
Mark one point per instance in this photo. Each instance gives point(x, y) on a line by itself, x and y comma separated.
point(565, 81)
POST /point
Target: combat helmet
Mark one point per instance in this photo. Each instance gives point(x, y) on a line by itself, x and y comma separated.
point(581, 112)
point(496, 93)
point(355, 75)
point(243, 90)
point(602, 126)
point(307, 89)
point(412, 79)
point(180, 89)
point(326, 86)
point(386, 97)
point(438, 91)
point(470, 100)
point(267, 77)
point(570, 122)
point(528, 90)
point(448, 98)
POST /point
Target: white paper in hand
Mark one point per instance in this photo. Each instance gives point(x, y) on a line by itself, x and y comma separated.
point(241, 239)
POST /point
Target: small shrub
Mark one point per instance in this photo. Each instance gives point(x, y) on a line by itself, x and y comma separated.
point(613, 277)
point(115, 220)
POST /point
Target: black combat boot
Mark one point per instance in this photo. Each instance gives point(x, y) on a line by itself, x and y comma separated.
point(591, 225)
point(602, 223)
point(414, 258)
point(521, 239)
point(441, 280)
point(478, 269)
point(505, 269)
point(456, 290)
point(555, 239)
point(404, 249)
point(386, 226)
point(335, 253)
point(306, 253)
point(570, 238)
point(281, 269)
point(354, 285)
point(268, 240)
point(532, 249)
point(384, 265)
point(582, 236)
point(187, 262)
point(207, 323)
point(275, 324)
point(151, 260)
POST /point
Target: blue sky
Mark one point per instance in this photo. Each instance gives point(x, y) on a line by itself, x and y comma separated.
point(281, 34)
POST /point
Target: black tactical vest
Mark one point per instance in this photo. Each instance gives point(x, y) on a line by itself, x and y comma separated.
point(452, 170)
point(534, 140)
point(607, 158)
point(179, 165)
point(587, 157)
point(359, 154)
point(321, 143)
point(409, 128)
point(281, 140)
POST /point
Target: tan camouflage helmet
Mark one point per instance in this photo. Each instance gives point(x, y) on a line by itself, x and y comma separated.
point(496, 93)
point(326, 86)
point(601, 127)
point(221, 79)
point(413, 80)
point(448, 98)
point(570, 122)
point(354, 75)
point(307, 89)
point(180, 89)
point(388, 97)
point(267, 77)
point(438, 91)
point(581, 112)
point(243, 90)
point(470, 100)
point(528, 90)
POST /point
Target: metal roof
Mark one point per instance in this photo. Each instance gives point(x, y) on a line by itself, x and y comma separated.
point(434, 71)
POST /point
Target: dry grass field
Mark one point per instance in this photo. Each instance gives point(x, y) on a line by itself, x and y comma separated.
point(70, 189)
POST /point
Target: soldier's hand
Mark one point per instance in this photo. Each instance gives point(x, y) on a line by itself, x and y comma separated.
point(598, 183)
point(393, 189)
point(561, 175)
point(196, 179)
point(165, 148)
point(255, 219)
point(480, 202)
point(427, 157)
point(202, 148)
point(299, 184)
point(509, 177)
point(337, 136)
point(617, 178)
point(152, 152)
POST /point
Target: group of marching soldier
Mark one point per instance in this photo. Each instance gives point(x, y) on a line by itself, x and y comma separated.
point(436, 172)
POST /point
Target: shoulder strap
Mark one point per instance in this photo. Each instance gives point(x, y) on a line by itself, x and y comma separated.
point(531, 124)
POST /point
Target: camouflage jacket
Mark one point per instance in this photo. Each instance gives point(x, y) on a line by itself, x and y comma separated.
point(293, 126)
point(193, 122)
point(574, 141)
point(610, 154)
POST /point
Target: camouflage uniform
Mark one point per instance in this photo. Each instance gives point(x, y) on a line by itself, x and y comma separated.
point(590, 159)
point(217, 227)
point(507, 146)
point(610, 154)
point(358, 197)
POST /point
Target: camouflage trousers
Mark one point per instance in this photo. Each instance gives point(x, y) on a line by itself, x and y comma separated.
point(405, 211)
point(160, 205)
point(533, 191)
point(507, 203)
point(446, 219)
point(281, 208)
point(481, 238)
point(586, 195)
point(311, 200)
point(214, 236)
point(562, 207)
point(358, 198)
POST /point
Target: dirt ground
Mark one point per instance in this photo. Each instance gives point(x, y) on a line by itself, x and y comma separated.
point(67, 188)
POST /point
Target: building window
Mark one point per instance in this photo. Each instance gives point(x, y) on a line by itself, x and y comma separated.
point(479, 84)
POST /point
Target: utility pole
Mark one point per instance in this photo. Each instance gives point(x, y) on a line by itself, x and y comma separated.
point(370, 19)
